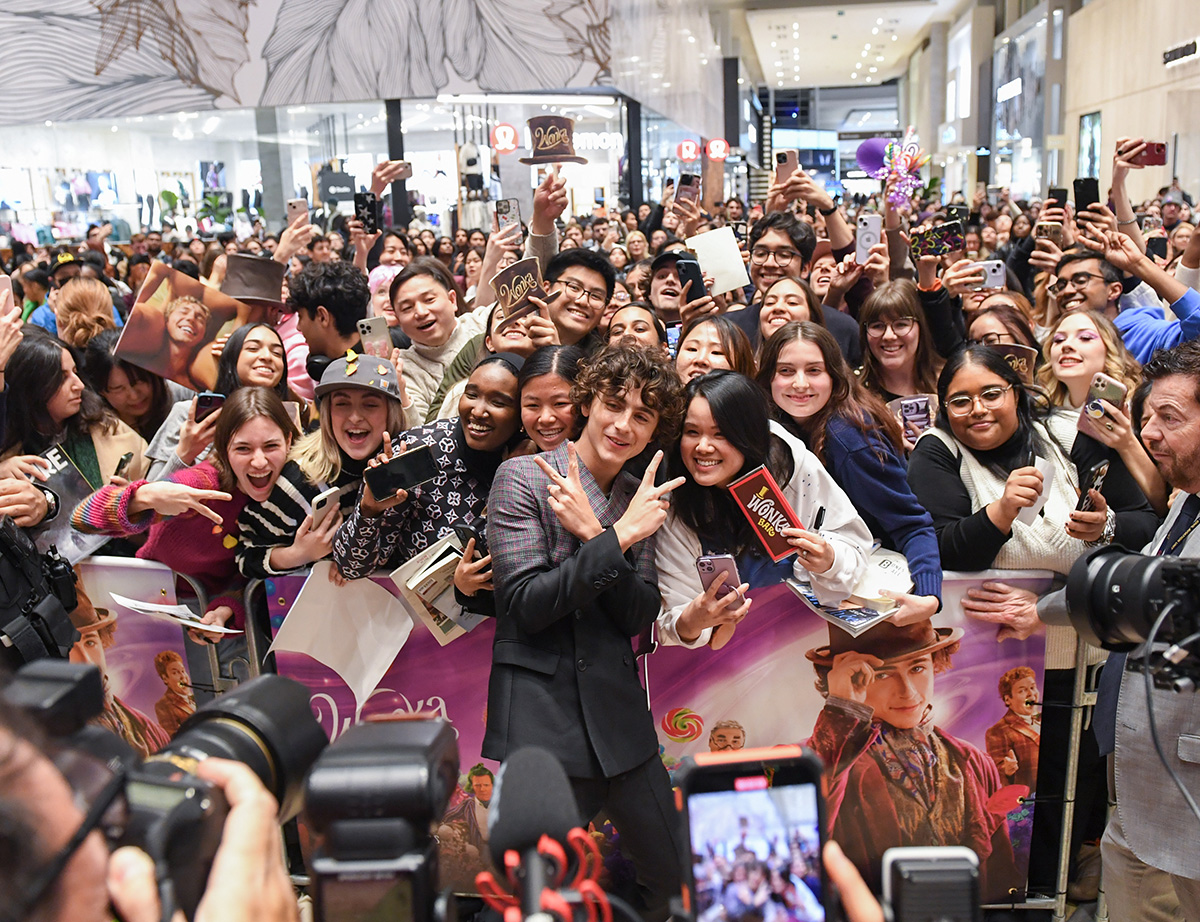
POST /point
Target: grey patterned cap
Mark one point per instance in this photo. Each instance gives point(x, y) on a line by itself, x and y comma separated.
point(366, 371)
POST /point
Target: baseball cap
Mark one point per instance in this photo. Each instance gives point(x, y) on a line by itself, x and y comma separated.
point(366, 371)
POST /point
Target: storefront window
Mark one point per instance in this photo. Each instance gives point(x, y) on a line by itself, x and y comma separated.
point(1019, 68)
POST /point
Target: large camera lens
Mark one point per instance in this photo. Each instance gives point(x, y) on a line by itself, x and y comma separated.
point(265, 723)
point(1114, 597)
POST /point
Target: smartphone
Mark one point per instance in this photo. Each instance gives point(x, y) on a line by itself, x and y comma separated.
point(1156, 246)
point(1151, 222)
point(688, 188)
point(786, 163)
point(931, 882)
point(1087, 193)
point(508, 213)
point(994, 274)
point(718, 568)
point(373, 331)
point(6, 285)
point(673, 330)
point(323, 505)
point(915, 413)
point(740, 229)
point(295, 208)
point(947, 237)
point(961, 213)
point(1106, 388)
point(123, 464)
point(781, 789)
point(466, 532)
point(689, 271)
point(1155, 154)
point(1051, 230)
point(367, 210)
point(870, 229)
point(1059, 194)
point(403, 472)
point(1092, 480)
point(207, 403)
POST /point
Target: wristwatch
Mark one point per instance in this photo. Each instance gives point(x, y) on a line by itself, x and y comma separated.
point(828, 212)
point(51, 504)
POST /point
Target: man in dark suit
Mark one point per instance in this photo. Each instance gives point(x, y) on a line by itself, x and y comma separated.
point(575, 582)
point(1014, 739)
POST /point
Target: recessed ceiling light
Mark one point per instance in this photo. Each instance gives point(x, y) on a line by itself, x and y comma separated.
point(878, 57)
point(867, 46)
point(854, 76)
point(875, 31)
point(895, 37)
point(795, 25)
point(874, 70)
point(781, 83)
point(857, 65)
point(773, 44)
point(864, 54)
point(879, 22)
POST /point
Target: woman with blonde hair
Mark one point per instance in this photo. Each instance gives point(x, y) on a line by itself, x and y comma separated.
point(1078, 346)
point(83, 309)
point(637, 246)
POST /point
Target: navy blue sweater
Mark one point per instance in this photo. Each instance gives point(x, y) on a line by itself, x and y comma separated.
point(867, 467)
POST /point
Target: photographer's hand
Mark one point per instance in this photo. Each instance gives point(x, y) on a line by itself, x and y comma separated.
point(248, 881)
point(858, 903)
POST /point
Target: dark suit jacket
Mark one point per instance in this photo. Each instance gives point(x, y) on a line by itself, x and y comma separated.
point(1013, 733)
point(564, 675)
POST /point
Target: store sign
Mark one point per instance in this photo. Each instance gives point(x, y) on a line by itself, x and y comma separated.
point(504, 138)
point(717, 149)
point(335, 187)
point(1181, 53)
point(599, 140)
point(1009, 90)
point(688, 151)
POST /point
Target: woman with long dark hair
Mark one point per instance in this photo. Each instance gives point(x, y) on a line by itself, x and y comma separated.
point(727, 432)
point(141, 398)
point(49, 404)
point(711, 343)
point(816, 396)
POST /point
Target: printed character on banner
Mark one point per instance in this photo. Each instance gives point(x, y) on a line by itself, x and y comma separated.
point(726, 735)
point(177, 703)
point(1013, 740)
point(97, 633)
point(469, 818)
point(895, 777)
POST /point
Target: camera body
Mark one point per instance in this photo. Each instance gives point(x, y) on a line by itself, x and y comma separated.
point(1114, 598)
point(37, 592)
point(372, 798)
point(162, 806)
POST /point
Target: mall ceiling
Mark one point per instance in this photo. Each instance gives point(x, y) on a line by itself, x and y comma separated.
point(807, 44)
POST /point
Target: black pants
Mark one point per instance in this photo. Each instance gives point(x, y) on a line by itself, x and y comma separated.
point(640, 804)
point(1091, 791)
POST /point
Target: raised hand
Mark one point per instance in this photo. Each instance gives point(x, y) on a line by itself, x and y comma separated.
point(852, 674)
point(549, 202)
point(169, 498)
point(194, 436)
point(648, 508)
point(708, 610)
point(568, 499)
point(386, 173)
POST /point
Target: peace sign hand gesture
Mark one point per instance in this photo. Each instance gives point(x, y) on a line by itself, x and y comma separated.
point(648, 508)
point(568, 500)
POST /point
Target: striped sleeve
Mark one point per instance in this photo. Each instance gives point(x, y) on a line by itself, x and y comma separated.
point(273, 523)
point(106, 512)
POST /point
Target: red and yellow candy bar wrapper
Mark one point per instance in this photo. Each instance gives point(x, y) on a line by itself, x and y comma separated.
point(763, 503)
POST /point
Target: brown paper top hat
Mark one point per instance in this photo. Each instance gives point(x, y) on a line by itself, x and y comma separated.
point(1022, 358)
point(514, 287)
point(253, 279)
point(885, 640)
point(552, 140)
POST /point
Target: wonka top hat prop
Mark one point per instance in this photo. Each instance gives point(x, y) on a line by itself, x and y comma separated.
point(552, 140)
point(253, 280)
point(886, 641)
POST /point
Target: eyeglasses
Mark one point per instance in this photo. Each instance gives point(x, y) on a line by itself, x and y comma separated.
point(995, 339)
point(760, 256)
point(900, 327)
point(991, 397)
point(621, 297)
point(1077, 281)
point(599, 298)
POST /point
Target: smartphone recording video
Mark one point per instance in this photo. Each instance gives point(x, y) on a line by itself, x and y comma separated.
point(754, 819)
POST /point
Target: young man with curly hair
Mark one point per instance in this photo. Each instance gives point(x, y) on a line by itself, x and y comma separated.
point(573, 565)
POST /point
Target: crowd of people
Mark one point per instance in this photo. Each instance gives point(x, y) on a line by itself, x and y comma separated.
point(596, 458)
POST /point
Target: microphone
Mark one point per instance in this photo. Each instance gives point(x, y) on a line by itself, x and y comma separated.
point(532, 798)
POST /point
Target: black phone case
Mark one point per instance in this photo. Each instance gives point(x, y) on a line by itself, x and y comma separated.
point(207, 405)
point(366, 210)
point(689, 271)
point(1087, 193)
point(402, 472)
point(1059, 195)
